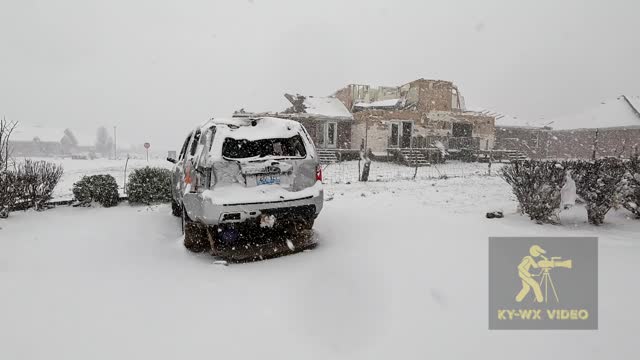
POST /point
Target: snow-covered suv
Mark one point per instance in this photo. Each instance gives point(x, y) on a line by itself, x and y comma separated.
point(243, 176)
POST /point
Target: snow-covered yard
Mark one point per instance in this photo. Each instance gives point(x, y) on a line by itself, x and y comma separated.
point(400, 272)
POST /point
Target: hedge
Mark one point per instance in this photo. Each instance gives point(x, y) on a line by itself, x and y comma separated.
point(149, 185)
point(102, 189)
point(29, 185)
point(602, 184)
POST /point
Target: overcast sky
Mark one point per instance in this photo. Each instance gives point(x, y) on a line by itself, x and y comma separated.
point(157, 68)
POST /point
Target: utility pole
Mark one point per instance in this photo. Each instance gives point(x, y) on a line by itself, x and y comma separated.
point(115, 144)
point(595, 146)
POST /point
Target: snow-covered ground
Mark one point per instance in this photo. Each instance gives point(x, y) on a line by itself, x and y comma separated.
point(400, 272)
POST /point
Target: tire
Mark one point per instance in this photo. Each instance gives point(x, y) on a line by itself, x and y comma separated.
point(308, 224)
point(196, 238)
point(176, 209)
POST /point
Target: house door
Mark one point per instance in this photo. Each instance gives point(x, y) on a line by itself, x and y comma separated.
point(331, 134)
point(405, 138)
point(318, 136)
point(394, 139)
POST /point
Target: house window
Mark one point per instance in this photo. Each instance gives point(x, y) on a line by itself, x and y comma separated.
point(395, 130)
point(462, 130)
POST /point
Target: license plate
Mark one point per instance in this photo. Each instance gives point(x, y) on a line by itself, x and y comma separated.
point(268, 179)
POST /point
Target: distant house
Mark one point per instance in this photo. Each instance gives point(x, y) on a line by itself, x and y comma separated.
point(37, 141)
point(611, 128)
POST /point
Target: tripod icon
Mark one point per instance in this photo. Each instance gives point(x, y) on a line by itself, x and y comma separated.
point(545, 281)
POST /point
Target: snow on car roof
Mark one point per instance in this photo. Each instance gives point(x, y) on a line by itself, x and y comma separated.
point(265, 128)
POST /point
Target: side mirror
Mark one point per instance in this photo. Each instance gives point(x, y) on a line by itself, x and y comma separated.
point(172, 160)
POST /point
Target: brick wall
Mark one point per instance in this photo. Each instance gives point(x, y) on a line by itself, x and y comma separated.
point(433, 95)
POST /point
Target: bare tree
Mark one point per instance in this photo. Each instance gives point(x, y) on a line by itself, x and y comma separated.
point(6, 129)
point(104, 142)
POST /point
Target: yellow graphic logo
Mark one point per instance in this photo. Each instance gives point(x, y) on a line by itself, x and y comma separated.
point(545, 265)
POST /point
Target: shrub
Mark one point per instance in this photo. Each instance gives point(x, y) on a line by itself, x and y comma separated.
point(597, 183)
point(102, 189)
point(629, 188)
point(536, 185)
point(149, 185)
point(36, 181)
point(7, 192)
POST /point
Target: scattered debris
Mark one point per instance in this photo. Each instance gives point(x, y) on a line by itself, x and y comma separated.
point(290, 245)
point(267, 221)
point(495, 215)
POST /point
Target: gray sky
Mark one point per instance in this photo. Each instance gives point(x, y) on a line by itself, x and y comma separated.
point(157, 68)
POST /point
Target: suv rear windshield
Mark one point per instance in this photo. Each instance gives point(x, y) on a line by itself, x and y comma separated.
point(242, 148)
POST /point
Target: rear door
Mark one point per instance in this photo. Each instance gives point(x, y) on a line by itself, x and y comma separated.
point(266, 161)
point(178, 173)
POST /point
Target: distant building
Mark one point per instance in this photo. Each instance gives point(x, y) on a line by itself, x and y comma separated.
point(37, 141)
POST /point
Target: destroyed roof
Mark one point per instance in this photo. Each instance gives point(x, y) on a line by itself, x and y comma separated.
point(318, 106)
point(381, 104)
point(616, 113)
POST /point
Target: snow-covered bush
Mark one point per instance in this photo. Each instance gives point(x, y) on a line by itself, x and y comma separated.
point(536, 184)
point(149, 185)
point(7, 192)
point(629, 188)
point(102, 189)
point(597, 183)
point(35, 181)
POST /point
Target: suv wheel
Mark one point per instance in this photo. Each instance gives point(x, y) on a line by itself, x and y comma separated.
point(196, 238)
point(308, 224)
point(176, 209)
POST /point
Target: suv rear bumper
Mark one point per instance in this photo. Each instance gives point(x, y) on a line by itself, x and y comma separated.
point(203, 210)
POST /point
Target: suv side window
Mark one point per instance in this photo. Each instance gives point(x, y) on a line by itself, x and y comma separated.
point(194, 143)
point(210, 135)
point(184, 147)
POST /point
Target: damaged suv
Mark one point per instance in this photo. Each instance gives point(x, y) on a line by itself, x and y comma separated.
point(237, 179)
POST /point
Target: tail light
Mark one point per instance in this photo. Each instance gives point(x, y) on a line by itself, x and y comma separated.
point(319, 173)
point(192, 179)
point(187, 175)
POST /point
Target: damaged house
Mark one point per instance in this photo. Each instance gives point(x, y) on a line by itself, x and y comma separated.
point(417, 123)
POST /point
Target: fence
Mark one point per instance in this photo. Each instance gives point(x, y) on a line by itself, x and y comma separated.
point(349, 171)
